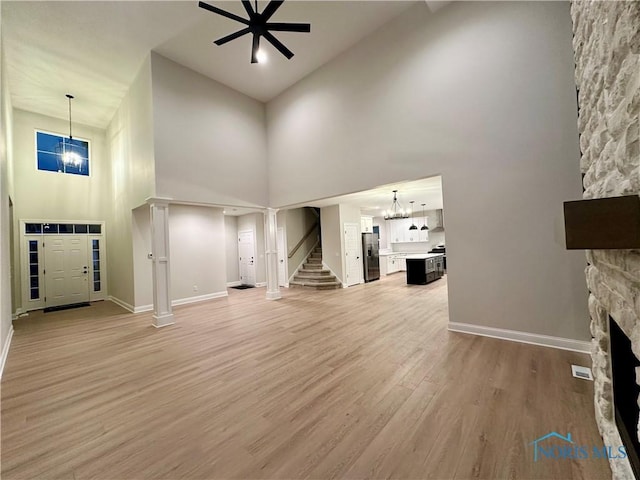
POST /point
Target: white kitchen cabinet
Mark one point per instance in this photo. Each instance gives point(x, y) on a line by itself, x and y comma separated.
point(366, 223)
point(402, 264)
point(398, 230)
point(424, 235)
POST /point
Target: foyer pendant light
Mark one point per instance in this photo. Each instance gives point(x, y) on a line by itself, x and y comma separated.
point(413, 223)
point(424, 226)
point(395, 211)
point(69, 157)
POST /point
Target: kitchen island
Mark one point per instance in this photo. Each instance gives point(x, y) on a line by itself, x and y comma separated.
point(424, 268)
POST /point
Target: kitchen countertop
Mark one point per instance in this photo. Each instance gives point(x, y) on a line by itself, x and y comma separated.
point(412, 255)
point(423, 256)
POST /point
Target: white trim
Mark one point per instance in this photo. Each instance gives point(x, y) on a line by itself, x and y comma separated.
point(199, 298)
point(5, 349)
point(163, 320)
point(143, 308)
point(122, 303)
point(522, 337)
point(234, 284)
point(261, 284)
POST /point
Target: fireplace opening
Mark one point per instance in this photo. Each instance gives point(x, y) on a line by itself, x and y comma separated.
point(625, 393)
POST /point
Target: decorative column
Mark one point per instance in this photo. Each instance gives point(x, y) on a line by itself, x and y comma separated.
point(271, 249)
point(162, 312)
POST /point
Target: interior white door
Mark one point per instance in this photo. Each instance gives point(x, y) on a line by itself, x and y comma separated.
point(66, 269)
point(352, 252)
point(282, 259)
point(247, 252)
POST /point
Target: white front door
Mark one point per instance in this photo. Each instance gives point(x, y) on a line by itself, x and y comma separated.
point(66, 270)
point(246, 252)
point(282, 259)
point(352, 249)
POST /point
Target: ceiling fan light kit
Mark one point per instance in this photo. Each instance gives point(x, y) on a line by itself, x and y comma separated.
point(259, 26)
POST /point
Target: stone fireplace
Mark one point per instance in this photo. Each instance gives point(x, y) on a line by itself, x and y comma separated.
point(607, 52)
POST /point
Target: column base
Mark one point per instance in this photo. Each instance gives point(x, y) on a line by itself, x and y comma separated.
point(274, 295)
point(163, 320)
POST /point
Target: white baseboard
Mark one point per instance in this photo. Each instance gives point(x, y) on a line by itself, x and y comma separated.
point(522, 337)
point(261, 284)
point(199, 298)
point(122, 303)
point(174, 303)
point(237, 283)
point(5, 349)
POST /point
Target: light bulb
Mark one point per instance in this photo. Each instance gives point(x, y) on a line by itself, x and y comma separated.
point(261, 56)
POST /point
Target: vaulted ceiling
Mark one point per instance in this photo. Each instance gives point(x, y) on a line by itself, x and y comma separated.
point(93, 49)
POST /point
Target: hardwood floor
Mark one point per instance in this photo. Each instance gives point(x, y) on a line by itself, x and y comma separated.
point(364, 382)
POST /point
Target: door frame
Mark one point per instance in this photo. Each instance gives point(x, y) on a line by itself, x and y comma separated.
point(27, 303)
point(283, 282)
point(359, 277)
point(255, 255)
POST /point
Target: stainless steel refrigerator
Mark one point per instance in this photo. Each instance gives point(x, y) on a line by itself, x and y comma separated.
point(370, 256)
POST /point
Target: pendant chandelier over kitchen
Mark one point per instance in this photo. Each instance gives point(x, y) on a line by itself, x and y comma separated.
point(396, 211)
point(424, 226)
point(413, 223)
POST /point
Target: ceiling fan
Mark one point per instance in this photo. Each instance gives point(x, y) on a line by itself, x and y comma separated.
point(259, 26)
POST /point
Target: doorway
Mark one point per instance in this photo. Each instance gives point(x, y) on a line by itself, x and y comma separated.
point(246, 253)
point(352, 254)
point(61, 264)
point(66, 270)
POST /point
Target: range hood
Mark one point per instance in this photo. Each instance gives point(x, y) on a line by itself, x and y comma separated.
point(439, 225)
point(603, 223)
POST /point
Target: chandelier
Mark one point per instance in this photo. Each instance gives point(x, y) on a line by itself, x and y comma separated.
point(396, 210)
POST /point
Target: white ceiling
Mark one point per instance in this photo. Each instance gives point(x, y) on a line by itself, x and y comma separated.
point(93, 49)
point(375, 201)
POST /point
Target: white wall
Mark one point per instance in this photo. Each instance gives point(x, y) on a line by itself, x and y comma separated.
point(198, 258)
point(43, 195)
point(219, 133)
point(332, 240)
point(333, 219)
point(131, 163)
point(231, 248)
point(482, 93)
point(6, 150)
point(255, 223)
point(142, 265)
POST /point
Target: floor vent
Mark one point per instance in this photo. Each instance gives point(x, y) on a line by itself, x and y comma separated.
point(581, 372)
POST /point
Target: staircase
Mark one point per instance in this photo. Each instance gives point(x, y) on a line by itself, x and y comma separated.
point(312, 275)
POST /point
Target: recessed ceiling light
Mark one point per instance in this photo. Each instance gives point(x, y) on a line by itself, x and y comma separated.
point(261, 56)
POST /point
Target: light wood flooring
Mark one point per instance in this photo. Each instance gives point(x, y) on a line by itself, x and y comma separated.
point(364, 382)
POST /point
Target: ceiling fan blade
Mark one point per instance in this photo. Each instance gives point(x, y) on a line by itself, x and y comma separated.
point(247, 6)
point(233, 36)
point(254, 48)
point(276, 43)
point(289, 27)
point(271, 9)
point(224, 13)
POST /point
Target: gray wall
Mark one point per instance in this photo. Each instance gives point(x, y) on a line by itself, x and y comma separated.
point(131, 163)
point(483, 94)
point(210, 141)
point(198, 258)
point(6, 189)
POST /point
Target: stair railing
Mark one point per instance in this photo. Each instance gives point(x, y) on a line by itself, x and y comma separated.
point(299, 244)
